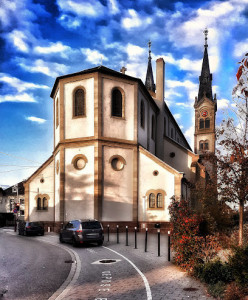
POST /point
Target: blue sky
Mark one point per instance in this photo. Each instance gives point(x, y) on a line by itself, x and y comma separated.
point(43, 39)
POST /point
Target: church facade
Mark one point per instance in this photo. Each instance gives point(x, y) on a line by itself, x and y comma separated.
point(119, 155)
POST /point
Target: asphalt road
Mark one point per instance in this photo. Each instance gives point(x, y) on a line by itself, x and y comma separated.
point(30, 269)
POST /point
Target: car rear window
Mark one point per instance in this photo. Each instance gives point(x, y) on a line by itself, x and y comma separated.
point(91, 225)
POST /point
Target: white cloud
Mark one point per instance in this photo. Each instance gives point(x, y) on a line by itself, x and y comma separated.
point(223, 103)
point(36, 120)
point(52, 48)
point(93, 56)
point(240, 49)
point(17, 98)
point(113, 7)
point(91, 8)
point(133, 20)
point(41, 66)
point(189, 134)
point(184, 105)
point(135, 52)
point(70, 22)
point(19, 40)
point(20, 85)
point(177, 116)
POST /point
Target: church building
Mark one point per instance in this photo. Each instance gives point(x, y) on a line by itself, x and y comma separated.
point(119, 154)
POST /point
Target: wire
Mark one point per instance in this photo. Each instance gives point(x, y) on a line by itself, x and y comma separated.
point(20, 166)
point(18, 157)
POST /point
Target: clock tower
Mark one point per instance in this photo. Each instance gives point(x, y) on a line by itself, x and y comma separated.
point(205, 109)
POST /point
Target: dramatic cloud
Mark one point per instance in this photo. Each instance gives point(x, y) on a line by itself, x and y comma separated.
point(36, 120)
point(240, 49)
point(20, 85)
point(223, 104)
point(24, 97)
point(133, 20)
point(44, 67)
point(93, 56)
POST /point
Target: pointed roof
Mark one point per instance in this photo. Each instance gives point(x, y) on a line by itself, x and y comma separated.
point(149, 74)
point(205, 87)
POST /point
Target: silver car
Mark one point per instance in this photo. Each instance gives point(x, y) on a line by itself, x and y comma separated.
point(82, 231)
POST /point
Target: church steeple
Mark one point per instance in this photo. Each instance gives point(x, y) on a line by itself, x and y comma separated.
point(205, 87)
point(149, 74)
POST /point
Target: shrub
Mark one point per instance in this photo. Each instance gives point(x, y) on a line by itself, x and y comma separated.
point(233, 292)
point(217, 290)
point(215, 271)
point(239, 265)
point(190, 249)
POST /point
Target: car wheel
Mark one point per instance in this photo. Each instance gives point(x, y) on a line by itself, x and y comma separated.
point(42, 233)
point(100, 243)
point(74, 242)
point(61, 239)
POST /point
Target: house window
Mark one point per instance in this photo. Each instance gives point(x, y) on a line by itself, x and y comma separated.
point(159, 200)
point(153, 128)
point(155, 199)
point(116, 103)
point(164, 127)
point(142, 114)
point(201, 123)
point(57, 112)
point(42, 203)
point(79, 103)
point(207, 123)
point(152, 200)
point(172, 133)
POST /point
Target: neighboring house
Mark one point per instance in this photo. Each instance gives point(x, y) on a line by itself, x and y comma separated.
point(11, 200)
point(119, 154)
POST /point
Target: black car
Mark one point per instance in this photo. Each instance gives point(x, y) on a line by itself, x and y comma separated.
point(82, 231)
point(30, 228)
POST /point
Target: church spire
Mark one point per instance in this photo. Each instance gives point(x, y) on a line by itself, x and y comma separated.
point(205, 87)
point(149, 74)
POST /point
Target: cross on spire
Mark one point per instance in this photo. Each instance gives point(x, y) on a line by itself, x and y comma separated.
point(206, 37)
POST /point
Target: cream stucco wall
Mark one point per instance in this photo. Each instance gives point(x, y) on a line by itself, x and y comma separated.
point(57, 186)
point(79, 185)
point(147, 181)
point(117, 186)
point(181, 161)
point(79, 127)
point(45, 188)
point(56, 129)
point(121, 128)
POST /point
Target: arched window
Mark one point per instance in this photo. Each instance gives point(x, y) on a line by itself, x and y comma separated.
point(39, 203)
point(79, 103)
point(207, 123)
point(57, 112)
point(153, 127)
point(116, 103)
point(164, 127)
point(201, 145)
point(152, 200)
point(159, 200)
point(201, 123)
point(172, 133)
point(204, 145)
point(142, 114)
point(45, 204)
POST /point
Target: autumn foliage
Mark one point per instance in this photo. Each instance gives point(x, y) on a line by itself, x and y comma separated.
point(189, 246)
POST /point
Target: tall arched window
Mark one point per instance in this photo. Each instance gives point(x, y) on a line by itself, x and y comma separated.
point(57, 112)
point(207, 123)
point(201, 123)
point(152, 200)
point(116, 103)
point(204, 145)
point(153, 128)
point(160, 200)
point(164, 127)
point(142, 114)
point(79, 103)
point(172, 133)
point(39, 203)
point(45, 204)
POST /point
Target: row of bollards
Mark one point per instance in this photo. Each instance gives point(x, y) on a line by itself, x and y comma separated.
point(146, 239)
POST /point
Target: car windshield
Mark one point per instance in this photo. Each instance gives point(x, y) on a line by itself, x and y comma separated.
point(91, 225)
point(35, 224)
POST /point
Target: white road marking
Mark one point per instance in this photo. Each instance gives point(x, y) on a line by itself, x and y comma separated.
point(148, 290)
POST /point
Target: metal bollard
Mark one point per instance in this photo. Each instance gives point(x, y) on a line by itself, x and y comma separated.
point(168, 245)
point(126, 235)
point(108, 233)
point(146, 240)
point(135, 237)
point(117, 232)
point(158, 242)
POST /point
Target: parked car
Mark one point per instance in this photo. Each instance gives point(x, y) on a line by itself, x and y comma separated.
point(82, 231)
point(30, 228)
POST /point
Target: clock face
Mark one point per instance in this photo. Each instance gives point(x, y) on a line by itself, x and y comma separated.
point(204, 113)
